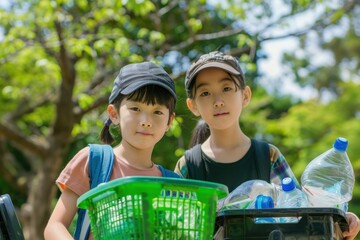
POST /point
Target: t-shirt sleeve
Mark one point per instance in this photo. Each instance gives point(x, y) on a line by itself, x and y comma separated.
point(75, 175)
point(279, 167)
point(181, 168)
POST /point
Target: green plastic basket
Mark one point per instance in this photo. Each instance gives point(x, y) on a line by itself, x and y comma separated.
point(153, 208)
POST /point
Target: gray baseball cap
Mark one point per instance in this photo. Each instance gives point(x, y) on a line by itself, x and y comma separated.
point(213, 59)
point(137, 75)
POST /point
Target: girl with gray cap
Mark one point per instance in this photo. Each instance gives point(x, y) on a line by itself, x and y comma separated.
point(141, 106)
point(221, 152)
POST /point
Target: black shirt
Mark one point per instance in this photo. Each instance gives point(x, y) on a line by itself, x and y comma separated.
point(230, 174)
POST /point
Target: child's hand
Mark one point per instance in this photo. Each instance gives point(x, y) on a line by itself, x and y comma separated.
point(354, 226)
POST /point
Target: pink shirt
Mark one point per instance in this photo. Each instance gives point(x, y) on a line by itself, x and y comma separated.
point(75, 175)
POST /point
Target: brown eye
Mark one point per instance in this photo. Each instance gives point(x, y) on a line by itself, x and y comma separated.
point(159, 113)
point(204, 94)
point(135, 109)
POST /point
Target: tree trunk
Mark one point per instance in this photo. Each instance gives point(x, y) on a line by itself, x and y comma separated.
point(37, 209)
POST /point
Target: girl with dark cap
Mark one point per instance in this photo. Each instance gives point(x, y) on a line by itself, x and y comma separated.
point(141, 106)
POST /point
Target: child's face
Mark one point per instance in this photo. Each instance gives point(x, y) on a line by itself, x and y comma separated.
point(143, 125)
point(217, 100)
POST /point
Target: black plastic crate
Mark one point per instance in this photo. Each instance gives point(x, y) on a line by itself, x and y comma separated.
point(314, 223)
point(10, 227)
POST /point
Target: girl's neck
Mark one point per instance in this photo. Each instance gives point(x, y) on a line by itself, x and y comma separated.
point(226, 145)
point(140, 158)
point(228, 139)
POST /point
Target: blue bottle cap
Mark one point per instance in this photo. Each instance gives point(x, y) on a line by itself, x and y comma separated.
point(263, 201)
point(287, 184)
point(341, 144)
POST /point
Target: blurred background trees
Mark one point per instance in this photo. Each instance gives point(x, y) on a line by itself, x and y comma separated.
point(58, 60)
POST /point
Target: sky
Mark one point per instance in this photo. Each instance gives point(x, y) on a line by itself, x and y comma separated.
point(272, 68)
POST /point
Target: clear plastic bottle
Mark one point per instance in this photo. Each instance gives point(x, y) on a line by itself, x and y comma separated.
point(291, 197)
point(245, 194)
point(328, 180)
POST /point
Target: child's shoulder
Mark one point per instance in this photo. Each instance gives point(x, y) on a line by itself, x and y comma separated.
point(83, 153)
point(193, 154)
point(274, 152)
point(168, 173)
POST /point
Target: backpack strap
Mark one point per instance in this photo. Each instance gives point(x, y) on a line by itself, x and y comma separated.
point(262, 156)
point(195, 164)
point(100, 163)
point(167, 173)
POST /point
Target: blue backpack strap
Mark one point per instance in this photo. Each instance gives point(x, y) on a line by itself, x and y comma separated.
point(101, 161)
point(168, 173)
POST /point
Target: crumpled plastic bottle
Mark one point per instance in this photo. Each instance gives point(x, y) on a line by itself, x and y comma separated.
point(244, 195)
point(328, 180)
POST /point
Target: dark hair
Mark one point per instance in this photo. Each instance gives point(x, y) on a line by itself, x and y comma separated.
point(200, 133)
point(149, 94)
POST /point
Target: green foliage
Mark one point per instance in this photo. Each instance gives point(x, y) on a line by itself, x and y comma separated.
point(140, 7)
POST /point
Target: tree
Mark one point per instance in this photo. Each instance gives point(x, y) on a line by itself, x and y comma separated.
point(59, 58)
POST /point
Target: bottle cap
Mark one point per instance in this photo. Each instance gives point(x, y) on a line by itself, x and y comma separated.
point(341, 144)
point(263, 201)
point(287, 184)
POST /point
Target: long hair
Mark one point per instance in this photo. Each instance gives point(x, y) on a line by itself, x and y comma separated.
point(200, 133)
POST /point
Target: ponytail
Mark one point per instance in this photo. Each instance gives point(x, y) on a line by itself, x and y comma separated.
point(105, 135)
point(200, 133)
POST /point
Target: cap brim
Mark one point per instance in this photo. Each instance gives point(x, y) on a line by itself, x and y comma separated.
point(136, 85)
point(220, 65)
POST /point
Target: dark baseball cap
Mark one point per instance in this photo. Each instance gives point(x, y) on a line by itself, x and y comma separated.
point(213, 59)
point(137, 75)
